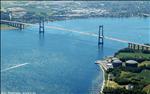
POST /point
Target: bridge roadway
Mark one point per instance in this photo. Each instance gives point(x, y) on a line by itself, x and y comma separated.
point(16, 22)
point(80, 32)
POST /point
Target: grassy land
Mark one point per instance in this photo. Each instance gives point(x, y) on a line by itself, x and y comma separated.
point(145, 63)
point(132, 55)
point(147, 89)
point(124, 75)
point(6, 27)
point(112, 84)
point(145, 74)
point(140, 80)
point(142, 76)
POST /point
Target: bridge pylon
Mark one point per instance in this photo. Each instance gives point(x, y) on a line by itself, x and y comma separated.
point(101, 35)
point(41, 25)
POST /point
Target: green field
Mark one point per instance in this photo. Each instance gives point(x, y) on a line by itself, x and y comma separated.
point(145, 63)
point(135, 56)
point(143, 76)
point(139, 77)
point(147, 89)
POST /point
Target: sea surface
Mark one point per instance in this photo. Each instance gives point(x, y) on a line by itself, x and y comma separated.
point(62, 62)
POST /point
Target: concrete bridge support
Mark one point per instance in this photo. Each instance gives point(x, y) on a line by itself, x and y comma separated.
point(41, 25)
point(138, 47)
point(100, 35)
point(18, 25)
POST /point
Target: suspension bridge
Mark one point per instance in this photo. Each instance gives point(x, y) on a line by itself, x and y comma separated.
point(100, 35)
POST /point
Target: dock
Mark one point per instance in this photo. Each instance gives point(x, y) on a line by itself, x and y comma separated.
point(102, 63)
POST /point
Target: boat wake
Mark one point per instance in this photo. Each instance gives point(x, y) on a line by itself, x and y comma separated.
point(13, 67)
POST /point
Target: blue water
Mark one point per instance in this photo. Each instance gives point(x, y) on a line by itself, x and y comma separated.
point(62, 62)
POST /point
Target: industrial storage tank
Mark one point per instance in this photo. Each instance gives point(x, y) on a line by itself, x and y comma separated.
point(117, 63)
point(114, 58)
point(131, 63)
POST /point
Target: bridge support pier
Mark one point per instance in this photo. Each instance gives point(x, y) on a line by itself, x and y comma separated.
point(129, 45)
point(22, 26)
point(100, 35)
point(41, 25)
point(14, 25)
point(142, 48)
point(18, 25)
point(134, 46)
point(147, 48)
point(138, 47)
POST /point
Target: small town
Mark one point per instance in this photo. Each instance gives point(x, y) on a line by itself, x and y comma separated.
point(72, 10)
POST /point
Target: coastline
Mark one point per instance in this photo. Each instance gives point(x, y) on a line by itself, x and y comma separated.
point(103, 84)
point(102, 67)
point(140, 70)
point(6, 27)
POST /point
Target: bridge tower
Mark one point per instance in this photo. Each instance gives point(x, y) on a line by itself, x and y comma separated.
point(10, 15)
point(41, 25)
point(100, 35)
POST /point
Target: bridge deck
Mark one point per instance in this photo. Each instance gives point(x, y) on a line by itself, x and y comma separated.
point(16, 22)
point(80, 32)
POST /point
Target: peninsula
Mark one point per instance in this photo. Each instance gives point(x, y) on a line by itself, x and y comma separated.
point(127, 72)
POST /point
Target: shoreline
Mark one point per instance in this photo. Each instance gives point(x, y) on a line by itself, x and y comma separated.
point(6, 27)
point(106, 64)
point(103, 84)
point(101, 66)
